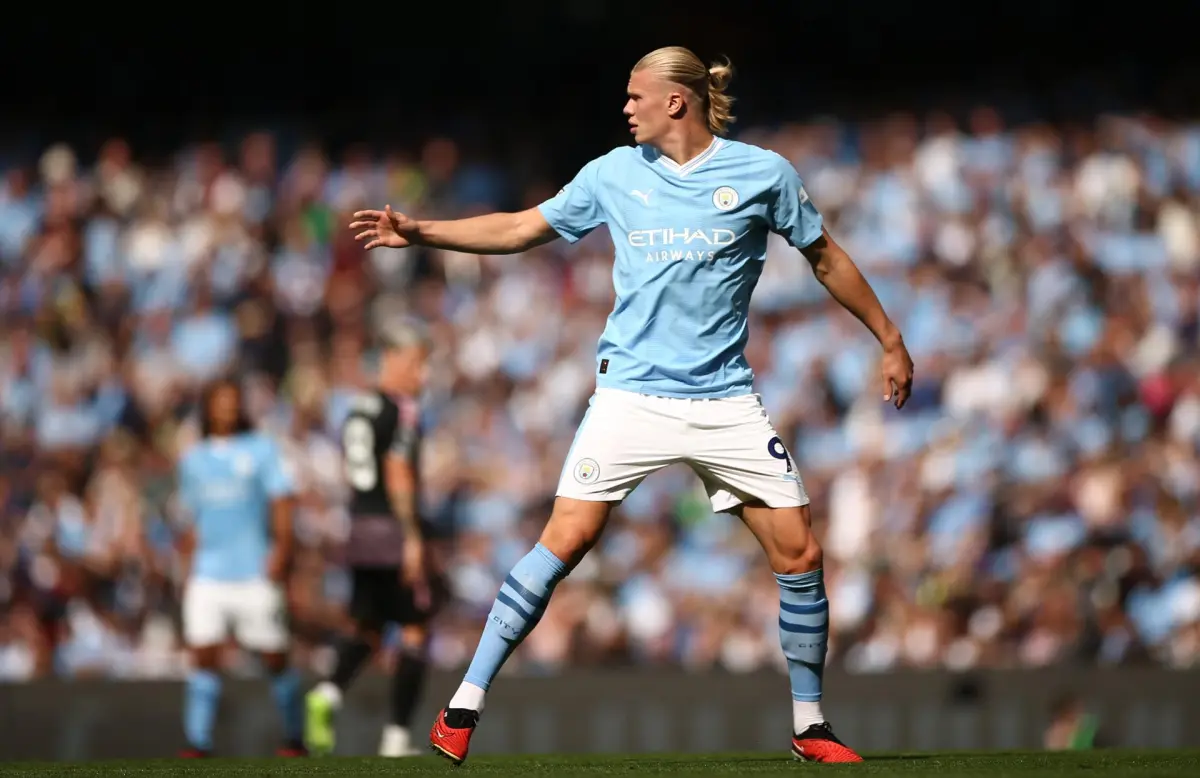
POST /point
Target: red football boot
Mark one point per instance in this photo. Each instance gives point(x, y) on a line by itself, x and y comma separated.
point(291, 750)
point(451, 733)
point(819, 744)
point(194, 753)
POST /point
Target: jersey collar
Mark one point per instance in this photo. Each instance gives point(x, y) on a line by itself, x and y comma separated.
point(693, 164)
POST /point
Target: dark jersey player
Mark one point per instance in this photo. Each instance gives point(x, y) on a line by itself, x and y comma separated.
point(386, 550)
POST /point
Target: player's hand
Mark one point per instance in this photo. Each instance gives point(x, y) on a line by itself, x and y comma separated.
point(385, 228)
point(897, 374)
point(413, 574)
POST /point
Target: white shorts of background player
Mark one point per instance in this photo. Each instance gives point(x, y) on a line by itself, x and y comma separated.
point(254, 612)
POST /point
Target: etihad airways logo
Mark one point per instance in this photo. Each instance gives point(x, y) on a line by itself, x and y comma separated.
point(685, 244)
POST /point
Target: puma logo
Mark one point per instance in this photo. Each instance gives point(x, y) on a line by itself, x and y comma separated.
point(643, 196)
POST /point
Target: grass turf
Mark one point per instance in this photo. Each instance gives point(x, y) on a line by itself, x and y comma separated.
point(1093, 764)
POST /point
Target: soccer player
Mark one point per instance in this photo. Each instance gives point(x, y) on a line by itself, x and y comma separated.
point(689, 213)
point(391, 572)
point(236, 491)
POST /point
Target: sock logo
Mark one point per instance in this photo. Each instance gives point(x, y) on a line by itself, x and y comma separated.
point(504, 625)
point(587, 471)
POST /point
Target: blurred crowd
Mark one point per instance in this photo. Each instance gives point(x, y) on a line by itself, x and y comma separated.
point(1037, 502)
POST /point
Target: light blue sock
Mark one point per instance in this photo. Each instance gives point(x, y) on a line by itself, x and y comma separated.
point(200, 708)
point(519, 605)
point(804, 631)
point(285, 688)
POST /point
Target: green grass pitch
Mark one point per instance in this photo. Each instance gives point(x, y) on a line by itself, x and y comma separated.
point(1095, 764)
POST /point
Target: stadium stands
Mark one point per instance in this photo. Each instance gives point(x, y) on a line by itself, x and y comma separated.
point(1037, 502)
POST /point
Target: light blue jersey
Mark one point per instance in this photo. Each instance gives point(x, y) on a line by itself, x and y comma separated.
point(226, 486)
point(690, 242)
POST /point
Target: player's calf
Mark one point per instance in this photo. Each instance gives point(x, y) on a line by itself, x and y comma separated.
point(325, 700)
point(408, 680)
point(202, 696)
point(795, 557)
point(573, 529)
point(285, 689)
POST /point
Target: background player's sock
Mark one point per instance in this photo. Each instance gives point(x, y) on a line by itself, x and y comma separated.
point(352, 654)
point(804, 634)
point(285, 688)
point(200, 708)
point(519, 605)
point(332, 694)
point(407, 681)
point(396, 742)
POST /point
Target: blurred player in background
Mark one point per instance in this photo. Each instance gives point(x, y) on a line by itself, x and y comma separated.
point(387, 550)
point(237, 549)
point(689, 213)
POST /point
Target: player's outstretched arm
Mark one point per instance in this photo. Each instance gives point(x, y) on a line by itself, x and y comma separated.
point(837, 272)
point(495, 233)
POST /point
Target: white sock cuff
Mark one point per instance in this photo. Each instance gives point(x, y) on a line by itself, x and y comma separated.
point(331, 693)
point(468, 697)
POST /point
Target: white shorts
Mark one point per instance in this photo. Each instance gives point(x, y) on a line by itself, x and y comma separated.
point(254, 611)
point(728, 442)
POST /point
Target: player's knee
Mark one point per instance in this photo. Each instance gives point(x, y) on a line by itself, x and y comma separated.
point(369, 632)
point(796, 550)
point(275, 662)
point(206, 657)
point(413, 639)
point(569, 543)
point(802, 557)
point(573, 529)
point(792, 562)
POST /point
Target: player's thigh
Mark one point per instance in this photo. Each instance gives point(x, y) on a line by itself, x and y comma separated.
point(261, 622)
point(623, 438)
point(206, 613)
point(413, 614)
point(741, 458)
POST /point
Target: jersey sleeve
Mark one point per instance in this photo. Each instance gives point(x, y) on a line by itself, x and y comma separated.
point(279, 479)
point(793, 215)
point(575, 210)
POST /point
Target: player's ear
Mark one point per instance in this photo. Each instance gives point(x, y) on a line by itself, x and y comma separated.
point(675, 104)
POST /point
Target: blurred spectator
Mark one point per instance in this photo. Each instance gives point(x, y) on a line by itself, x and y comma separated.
point(1038, 502)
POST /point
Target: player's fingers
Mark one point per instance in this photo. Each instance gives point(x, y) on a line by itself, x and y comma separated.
point(367, 234)
point(902, 396)
point(887, 387)
point(372, 215)
point(372, 244)
point(360, 225)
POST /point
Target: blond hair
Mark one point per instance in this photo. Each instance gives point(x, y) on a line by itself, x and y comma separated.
point(680, 65)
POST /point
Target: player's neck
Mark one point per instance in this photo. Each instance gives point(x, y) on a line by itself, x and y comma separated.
point(392, 390)
point(684, 145)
